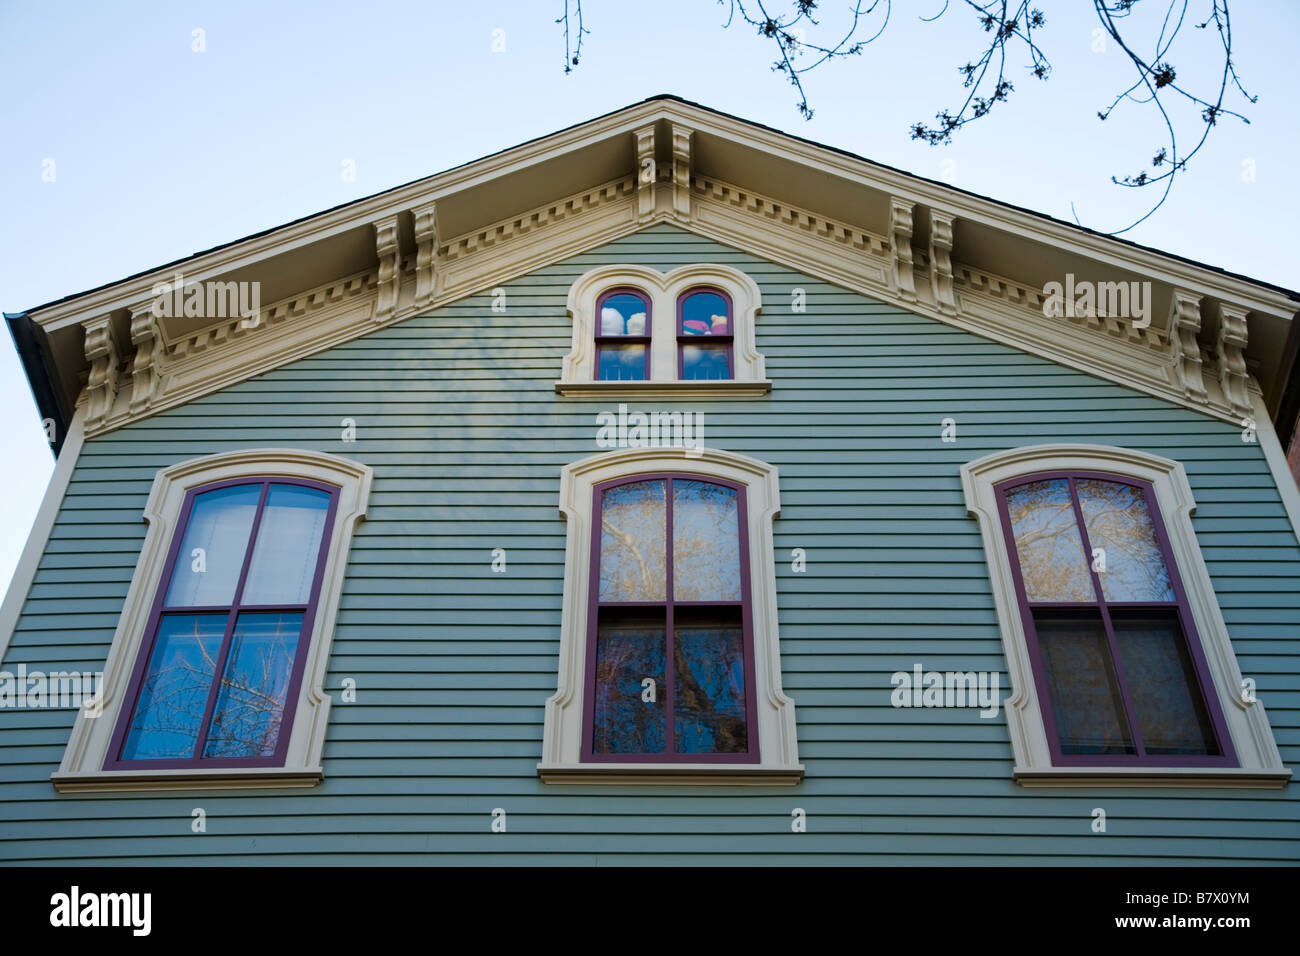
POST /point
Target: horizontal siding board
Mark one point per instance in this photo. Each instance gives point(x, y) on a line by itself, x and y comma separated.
point(456, 412)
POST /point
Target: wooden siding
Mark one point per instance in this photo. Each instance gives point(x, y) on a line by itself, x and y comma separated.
point(458, 416)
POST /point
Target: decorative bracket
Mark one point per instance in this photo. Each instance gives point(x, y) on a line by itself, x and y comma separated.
point(1230, 350)
point(900, 247)
point(682, 171)
point(426, 252)
point(1184, 348)
point(645, 173)
point(145, 373)
point(941, 278)
point(104, 354)
point(390, 261)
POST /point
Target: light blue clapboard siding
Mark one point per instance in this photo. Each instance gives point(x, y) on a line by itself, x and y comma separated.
point(458, 415)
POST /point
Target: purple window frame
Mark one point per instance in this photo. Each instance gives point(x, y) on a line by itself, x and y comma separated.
point(232, 611)
point(623, 339)
point(729, 338)
point(752, 754)
point(1226, 757)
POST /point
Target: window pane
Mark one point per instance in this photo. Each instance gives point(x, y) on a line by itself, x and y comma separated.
point(709, 689)
point(250, 705)
point(621, 363)
point(1081, 681)
point(705, 313)
point(1162, 682)
point(627, 654)
point(623, 314)
point(288, 544)
point(175, 688)
point(1117, 520)
point(632, 550)
point(706, 542)
point(1047, 541)
point(705, 362)
point(219, 524)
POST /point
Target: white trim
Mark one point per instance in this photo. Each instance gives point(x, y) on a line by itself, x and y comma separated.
point(37, 539)
point(1287, 488)
point(1247, 723)
point(662, 290)
point(562, 734)
point(83, 761)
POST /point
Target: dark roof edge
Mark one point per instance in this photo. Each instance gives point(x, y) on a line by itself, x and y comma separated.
point(1291, 293)
point(29, 342)
point(1288, 406)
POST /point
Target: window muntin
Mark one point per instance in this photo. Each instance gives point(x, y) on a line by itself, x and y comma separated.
point(219, 671)
point(1115, 653)
point(705, 335)
point(623, 333)
point(670, 668)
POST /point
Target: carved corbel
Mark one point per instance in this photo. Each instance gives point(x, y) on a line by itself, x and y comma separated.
point(390, 275)
point(1230, 352)
point(145, 372)
point(104, 354)
point(900, 247)
point(426, 252)
point(1184, 348)
point(682, 171)
point(941, 279)
point(645, 172)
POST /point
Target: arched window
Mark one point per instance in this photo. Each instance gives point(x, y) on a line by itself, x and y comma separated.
point(224, 648)
point(670, 665)
point(705, 333)
point(670, 644)
point(216, 673)
point(1122, 669)
point(1113, 645)
point(623, 336)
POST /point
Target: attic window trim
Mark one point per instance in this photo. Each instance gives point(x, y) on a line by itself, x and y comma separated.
point(663, 292)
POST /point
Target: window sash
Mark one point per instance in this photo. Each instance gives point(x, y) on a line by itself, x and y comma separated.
point(233, 611)
point(668, 606)
point(702, 340)
point(1204, 686)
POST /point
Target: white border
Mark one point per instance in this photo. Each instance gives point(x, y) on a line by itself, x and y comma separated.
point(1260, 764)
point(562, 734)
point(662, 290)
point(84, 758)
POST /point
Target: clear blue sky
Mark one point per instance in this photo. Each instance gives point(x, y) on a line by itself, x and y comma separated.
point(160, 151)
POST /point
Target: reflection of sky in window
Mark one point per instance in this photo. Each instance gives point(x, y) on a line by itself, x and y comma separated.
point(624, 723)
point(702, 362)
point(250, 704)
point(175, 690)
point(709, 690)
point(622, 363)
point(1118, 520)
point(706, 542)
point(705, 313)
point(288, 544)
point(1047, 541)
point(633, 565)
point(219, 523)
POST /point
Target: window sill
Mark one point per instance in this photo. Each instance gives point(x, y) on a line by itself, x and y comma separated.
point(223, 779)
point(674, 389)
point(701, 775)
point(1154, 777)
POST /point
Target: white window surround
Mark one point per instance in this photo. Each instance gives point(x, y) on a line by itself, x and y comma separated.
point(562, 735)
point(663, 289)
point(1260, 764)
point(81, 769)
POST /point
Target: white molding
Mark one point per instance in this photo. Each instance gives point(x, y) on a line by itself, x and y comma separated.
point(83, 760)
point(662, 290)
point(1287, 488)
point(562, 733)
point(38, 538)
point(1247, 723)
